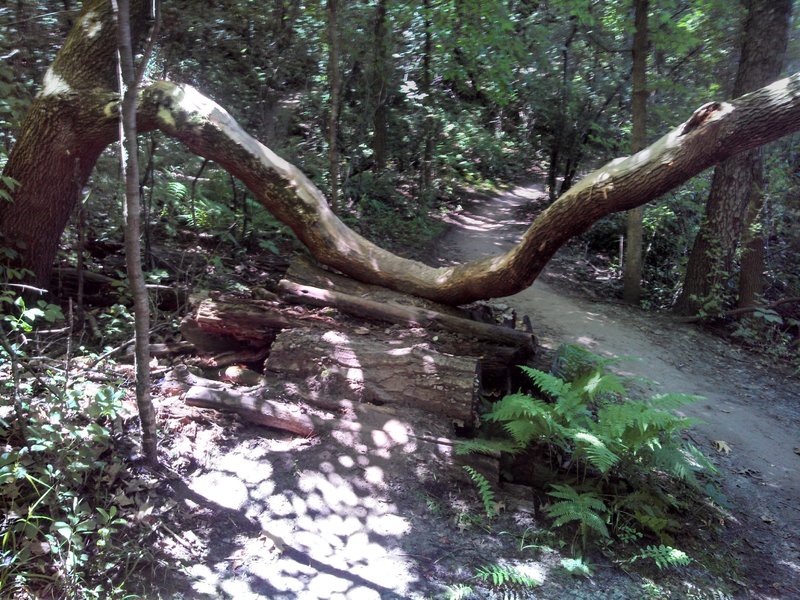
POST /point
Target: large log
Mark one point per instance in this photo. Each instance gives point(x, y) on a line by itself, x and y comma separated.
point(304, 272)
point(405, 315)
point(375, 368)
point(223, 324)
point(236, 326)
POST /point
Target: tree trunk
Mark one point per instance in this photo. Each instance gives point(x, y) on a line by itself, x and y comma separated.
point(380, 88)
point(129, 155)
point(751, 267)
point(428, 124)
point(711, 260)
point(334, 84)
point(377, 369)
point(71, 121)
point(632, 271)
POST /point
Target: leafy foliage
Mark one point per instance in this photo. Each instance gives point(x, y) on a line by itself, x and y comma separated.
point(663, 556)
point(490, 505)
point(586, 508)
point(623, 460)
point(502, 575)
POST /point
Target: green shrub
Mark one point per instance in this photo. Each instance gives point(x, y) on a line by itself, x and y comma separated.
point(622, 462)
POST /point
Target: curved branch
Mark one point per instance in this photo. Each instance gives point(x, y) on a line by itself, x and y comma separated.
point(714, 133)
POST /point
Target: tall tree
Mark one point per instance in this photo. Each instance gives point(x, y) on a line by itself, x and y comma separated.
point(335, 84)
point(63, 134)
point(428, 124)
point(632, 273)
point(735, 181)
point(380, 91)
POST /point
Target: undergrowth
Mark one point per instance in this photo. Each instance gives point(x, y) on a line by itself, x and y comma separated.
point(77, 517)
point(620, 471)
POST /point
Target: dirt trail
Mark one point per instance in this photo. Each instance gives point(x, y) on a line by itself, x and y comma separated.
point(374, 514)
point(755, 411)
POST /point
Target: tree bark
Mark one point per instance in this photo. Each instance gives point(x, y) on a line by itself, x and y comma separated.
point(428, 123)
point(129, 155)
point(752, 265)
point(380, 88)
point(632, 270)
point(711, 260)
point(406, 315)
point(71, 121)
point(715, 132)
point(334, 84)
point(375, 368)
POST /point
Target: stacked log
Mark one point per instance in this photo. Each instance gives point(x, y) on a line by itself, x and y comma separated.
point(335, 348)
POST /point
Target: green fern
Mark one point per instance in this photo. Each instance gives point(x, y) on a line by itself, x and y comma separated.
point(628, 451)
point(586, 508)
point(484, 446)
point(663, 556)
point(501, 575)
point(597, 452)
point(458, 591)
point(549, 384)
point(485, 491)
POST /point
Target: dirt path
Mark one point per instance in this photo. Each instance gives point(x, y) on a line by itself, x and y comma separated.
point(378, 515)
point(753, 410)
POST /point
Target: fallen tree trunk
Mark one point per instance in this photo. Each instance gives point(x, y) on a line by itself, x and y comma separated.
point(80, 95)
point(377, 369)
point(404, 315)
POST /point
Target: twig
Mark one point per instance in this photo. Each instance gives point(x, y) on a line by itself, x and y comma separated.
point(119, 348)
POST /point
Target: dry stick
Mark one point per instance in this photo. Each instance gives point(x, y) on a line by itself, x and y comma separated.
point(739, 311)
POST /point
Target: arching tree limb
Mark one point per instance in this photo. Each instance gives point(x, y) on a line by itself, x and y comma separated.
point(723, 129)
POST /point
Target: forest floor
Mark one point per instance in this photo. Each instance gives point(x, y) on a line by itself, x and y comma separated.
point(266, 515)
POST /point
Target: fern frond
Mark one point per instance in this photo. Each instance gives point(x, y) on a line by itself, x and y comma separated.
point(582, 507)
point(500, 575)
point(598, 383)
point(549, 384)
point(485, 491)
point(672, 401)
point(598, 454)
point(524, 432)
point(571, 407)
point(675, 462)
point(699, 461)
point(517, 406)
point(484, 446)
point(663, 556)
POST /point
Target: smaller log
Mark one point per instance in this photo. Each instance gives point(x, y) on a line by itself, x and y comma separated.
point(253, 404)
point(404, 315)
point(254, 407)
point(380, 427)
point(221, 325)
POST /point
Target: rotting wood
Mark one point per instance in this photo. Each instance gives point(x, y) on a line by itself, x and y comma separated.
point(375, 368)
point(403, 315)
